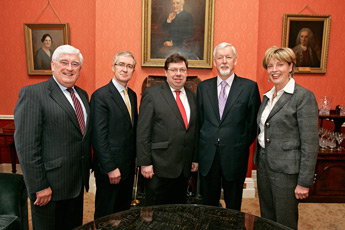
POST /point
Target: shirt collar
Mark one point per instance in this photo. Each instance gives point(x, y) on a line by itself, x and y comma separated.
point(61, 86)
point(289, 88)
point(118, 86)
point(229, 80)
point(182, 90)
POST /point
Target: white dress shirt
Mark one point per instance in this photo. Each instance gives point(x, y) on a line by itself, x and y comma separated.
point(229, 80)
point(289, 88)
point(184, 100)
point(69, 98)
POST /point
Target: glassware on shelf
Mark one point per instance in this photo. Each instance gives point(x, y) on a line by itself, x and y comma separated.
point(325, 103)
point(339, 137)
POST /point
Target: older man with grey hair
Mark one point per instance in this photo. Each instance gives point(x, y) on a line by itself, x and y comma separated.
point(53, 142)
point(227, 108)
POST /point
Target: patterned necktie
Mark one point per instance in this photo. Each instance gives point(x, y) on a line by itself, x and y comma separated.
point(129, 108)
point(78, 110)
point(181, 108)
point(222, 98)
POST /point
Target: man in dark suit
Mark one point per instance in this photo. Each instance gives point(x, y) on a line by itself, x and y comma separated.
point(166, 135)
point(53, 142)
point(114, 117)
point(227, 108)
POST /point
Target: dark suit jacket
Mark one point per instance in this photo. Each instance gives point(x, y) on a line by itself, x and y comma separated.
point(236, 131)
point(162, 139)
point(51, 148)
point(180, 29)
point(113, 135)
point(291, 135)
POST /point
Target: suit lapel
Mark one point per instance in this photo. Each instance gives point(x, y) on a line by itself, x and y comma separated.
point(234, 93)
point(117, 98)
point(213, 96)
point(169, 98)
point(192, 106)
point(58, 96)
point(261, 109)
point(280, 103)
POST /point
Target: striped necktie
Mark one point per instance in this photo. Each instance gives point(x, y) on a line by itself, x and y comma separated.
point(222, 98)
point(78, 110)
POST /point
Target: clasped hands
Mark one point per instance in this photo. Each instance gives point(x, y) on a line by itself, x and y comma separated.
point(147, 171)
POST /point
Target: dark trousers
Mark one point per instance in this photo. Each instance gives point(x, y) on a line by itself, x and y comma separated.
point(62, 214)
point(277, 194)
point(111, 198)
point(210, 186)
point(166, 190)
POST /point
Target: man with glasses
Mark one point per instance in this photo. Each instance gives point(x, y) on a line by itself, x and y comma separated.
point(114, 119)
point(166, 135)
point(53, 143)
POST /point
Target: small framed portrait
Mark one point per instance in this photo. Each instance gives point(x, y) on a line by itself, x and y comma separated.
point(308, 36)
point(177, 26)
point(40, 42)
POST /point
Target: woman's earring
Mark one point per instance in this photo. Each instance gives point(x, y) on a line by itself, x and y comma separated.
point(269, 80)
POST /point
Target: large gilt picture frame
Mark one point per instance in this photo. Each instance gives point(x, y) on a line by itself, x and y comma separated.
point(40, 42)
point(308, 36)
point(188, 32)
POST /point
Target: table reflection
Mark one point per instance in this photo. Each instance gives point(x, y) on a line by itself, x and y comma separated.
point(167, 217)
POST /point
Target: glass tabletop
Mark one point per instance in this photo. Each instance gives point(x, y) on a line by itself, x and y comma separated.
point(166, 217)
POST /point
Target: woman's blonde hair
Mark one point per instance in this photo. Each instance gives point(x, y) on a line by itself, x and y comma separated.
point(284, 54)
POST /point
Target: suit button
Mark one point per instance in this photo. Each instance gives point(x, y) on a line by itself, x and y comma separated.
point(268, 140)
point(267, 124)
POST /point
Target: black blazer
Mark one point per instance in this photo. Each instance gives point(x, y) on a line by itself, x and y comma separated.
point(113, 135)
point(51, 149)
point(236, 131)
point(162, 139)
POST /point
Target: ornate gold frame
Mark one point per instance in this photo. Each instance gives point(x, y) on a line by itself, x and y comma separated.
point(322, 26)
point(60, 29)
point(205, 62)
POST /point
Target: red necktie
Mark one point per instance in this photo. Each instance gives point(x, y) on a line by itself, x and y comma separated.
point(181, 108)
point(78, 110)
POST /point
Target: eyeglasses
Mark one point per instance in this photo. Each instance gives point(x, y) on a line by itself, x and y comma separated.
point(175, 70)
point(66, 63)
point(123, 65)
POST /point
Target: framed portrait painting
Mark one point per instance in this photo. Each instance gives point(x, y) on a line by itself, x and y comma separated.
point(308, 36)
point(40, 42)
point(177, 26)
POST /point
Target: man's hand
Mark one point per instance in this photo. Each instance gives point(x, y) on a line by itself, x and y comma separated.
point(171, 17)
point(43, 197)
point(114, 176)
point(147, 171)
point(168, 43)
point(301, 192)
point(195, 167)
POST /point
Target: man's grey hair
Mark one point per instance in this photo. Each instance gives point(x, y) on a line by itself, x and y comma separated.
point(124, 53)
point(222, 46)
point(67, 49)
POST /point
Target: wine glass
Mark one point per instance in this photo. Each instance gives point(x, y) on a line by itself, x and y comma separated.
point(331, 140)
point(339, 137)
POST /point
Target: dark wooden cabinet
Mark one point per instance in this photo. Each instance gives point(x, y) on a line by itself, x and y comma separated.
point(329, 181)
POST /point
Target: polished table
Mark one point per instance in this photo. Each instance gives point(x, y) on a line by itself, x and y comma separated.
point(174, 217)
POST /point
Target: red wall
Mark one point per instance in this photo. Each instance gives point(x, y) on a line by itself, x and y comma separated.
point(80, 14)
point(99, 28)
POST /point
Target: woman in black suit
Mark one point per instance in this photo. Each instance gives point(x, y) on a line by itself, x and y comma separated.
point(287, 143)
